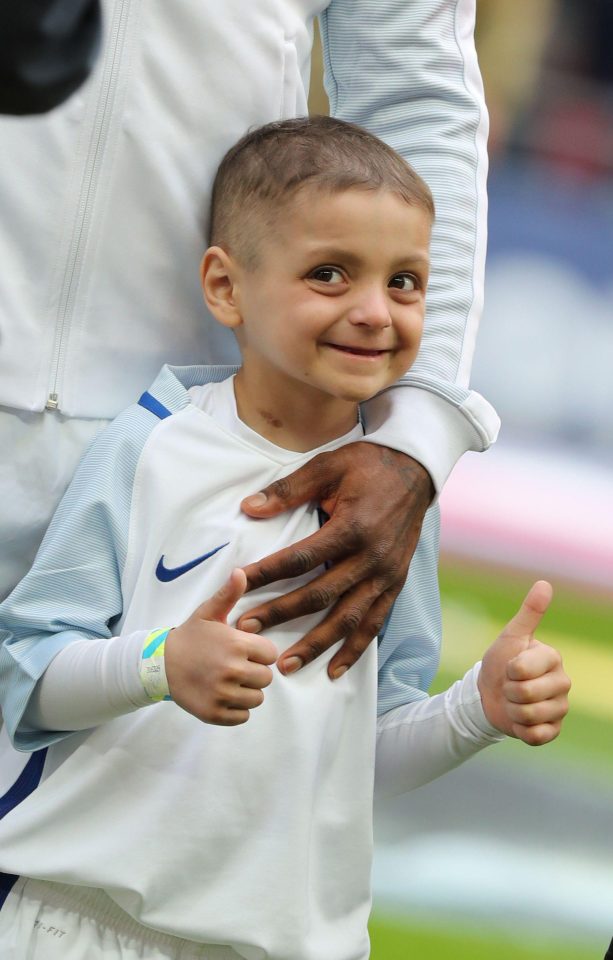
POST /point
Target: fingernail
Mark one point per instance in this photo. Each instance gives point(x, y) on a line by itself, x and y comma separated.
point(257, 500)
point(339, 672)
point(251, 626)
point(291, 665)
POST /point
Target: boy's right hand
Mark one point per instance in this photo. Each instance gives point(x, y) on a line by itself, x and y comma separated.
point(214, 671)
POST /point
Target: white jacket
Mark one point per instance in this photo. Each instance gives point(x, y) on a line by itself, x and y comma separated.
point(103, 202)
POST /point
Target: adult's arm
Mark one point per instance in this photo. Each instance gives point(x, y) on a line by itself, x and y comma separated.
point(407, 71)
point(47, 49)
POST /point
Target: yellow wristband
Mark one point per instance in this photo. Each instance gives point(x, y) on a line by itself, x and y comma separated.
point(152, 668)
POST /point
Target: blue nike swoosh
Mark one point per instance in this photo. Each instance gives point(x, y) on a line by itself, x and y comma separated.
point(165, 574)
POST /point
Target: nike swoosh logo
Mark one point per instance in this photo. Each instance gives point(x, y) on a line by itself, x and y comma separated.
point(166, 574)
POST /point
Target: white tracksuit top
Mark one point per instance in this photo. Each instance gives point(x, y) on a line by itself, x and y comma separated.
point(257, 836)
point(104, 201)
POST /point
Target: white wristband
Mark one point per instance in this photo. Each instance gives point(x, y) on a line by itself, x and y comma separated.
point(152, 668)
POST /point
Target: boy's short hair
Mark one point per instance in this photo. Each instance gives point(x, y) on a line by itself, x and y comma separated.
point(270, 165)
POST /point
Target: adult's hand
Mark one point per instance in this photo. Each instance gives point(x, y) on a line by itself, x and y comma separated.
point(376, 499)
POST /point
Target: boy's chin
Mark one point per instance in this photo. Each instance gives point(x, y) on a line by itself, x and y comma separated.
point(355, 394)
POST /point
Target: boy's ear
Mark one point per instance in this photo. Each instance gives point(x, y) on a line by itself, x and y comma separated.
point(219, 278)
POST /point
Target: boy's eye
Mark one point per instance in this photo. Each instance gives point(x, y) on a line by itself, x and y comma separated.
point(403, 281)
point(327, 275)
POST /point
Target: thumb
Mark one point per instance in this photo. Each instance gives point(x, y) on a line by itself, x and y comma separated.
point(304, 484)
point(220, 604)
point(531, 612)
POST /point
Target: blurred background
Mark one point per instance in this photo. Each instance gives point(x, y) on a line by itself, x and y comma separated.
point(512, 855)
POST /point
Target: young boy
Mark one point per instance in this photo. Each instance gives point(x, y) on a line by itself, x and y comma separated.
point(152, 820)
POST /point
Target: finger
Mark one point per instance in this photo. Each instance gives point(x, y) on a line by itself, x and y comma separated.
point(535, 661)
point(531, 612)
point(256, 676)
point(231, 718)
point(318, 594)
point(370, 627)
point(243, 698)
point(547, 687)
point(220, 604)
point(533, 714)
point(341, 622)
point(327, 545)
point(258, 649)
point(538, 735)
point(306, 483)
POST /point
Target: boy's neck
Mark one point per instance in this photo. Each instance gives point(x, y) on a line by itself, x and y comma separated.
point(294, 419)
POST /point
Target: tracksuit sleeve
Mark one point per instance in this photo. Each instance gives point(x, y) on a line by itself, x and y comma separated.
point(407, 71)
point(73, 590)
point(420, 741)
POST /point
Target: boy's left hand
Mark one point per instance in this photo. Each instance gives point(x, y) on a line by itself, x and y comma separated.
point(523, 686)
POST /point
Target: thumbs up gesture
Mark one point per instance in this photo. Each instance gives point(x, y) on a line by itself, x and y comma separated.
point(523, 687)
point(215, 672)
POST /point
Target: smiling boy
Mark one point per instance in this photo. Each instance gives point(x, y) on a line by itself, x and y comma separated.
point(330, 316)
point(145, 826)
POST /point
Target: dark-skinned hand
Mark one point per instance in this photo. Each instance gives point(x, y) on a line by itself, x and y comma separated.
point(376, 499)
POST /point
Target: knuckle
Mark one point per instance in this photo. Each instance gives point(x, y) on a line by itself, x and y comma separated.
point(302, 561)
point(241, 674)
point(320, 597)
point(313, 648)
point(380, 555)
point(521, 673)
point(281, 488)
point(273, 614)
point(358, 532)
point(374, 625)
point(528, 692)
point(350, 620)
point(360, 643)
point(528, 715)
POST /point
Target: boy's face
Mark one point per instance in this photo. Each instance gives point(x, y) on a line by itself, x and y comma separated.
point(336, 302)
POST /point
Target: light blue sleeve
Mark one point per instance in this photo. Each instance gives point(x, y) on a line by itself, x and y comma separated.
point(407, 71)
point(410, 642)
point(73, 590)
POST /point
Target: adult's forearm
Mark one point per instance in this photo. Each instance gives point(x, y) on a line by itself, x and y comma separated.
point(407, 70)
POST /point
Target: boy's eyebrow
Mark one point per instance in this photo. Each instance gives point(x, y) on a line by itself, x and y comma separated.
point(353, 259)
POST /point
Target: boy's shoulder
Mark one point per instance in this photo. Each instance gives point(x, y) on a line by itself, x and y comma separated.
point(168, 395)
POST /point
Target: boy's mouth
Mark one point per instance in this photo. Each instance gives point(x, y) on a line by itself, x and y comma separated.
point(357, 351)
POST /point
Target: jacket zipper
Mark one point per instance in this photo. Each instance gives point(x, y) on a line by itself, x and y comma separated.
point(112, 46)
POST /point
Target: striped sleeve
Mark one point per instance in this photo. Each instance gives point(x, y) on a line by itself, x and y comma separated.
point(410, 642)
point(73, 590)
point(407, 71)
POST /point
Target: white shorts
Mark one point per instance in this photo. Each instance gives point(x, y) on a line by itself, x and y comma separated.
point(54, 921)
point(40, 452)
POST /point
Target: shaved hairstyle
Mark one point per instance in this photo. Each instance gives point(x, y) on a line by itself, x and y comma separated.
point(270, 166)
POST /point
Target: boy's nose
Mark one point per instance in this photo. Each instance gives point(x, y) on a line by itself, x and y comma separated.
point(371, 309)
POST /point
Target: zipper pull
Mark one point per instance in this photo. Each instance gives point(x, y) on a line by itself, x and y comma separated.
point(52, 402)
